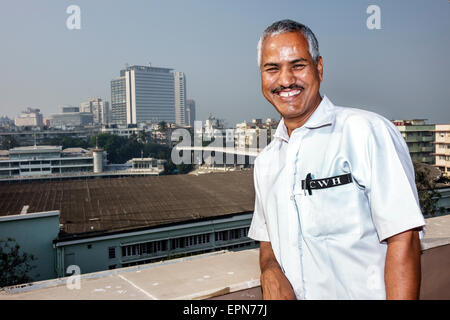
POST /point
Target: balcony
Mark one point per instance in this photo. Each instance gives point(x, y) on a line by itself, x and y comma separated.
point(221, 275)
point(416, 138)
point(428, 138)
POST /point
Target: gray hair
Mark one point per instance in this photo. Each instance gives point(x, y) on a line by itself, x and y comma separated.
point(284, 26)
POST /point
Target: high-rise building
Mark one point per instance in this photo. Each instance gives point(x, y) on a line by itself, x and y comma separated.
point(86, 106)
point(30, 117)
point(419, 137)
point(143, 94)
point(118, 101)
point(98, 108)
point(442, 144)
point(180, 98)
point(190, 112)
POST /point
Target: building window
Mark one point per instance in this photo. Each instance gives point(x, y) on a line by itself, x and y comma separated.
point(89, 246)
point(112, 252)
point(144, 248)
point(190, 241)
point(231, 234)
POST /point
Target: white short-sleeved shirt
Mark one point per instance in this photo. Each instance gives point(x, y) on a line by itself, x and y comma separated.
point(331, 243)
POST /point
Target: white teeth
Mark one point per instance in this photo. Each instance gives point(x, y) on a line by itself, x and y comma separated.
point(289, 93)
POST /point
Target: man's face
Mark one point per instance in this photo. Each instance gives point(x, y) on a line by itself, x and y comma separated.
point(290, 78)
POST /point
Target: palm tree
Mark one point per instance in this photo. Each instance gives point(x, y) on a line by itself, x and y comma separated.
point(162, 126)
point(142, 136)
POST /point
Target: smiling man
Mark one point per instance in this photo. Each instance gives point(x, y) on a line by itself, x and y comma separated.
point(336, 207)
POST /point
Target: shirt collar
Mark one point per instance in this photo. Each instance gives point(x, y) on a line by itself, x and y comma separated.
point(322, 116)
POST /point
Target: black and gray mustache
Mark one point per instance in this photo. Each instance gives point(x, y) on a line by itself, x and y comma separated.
point(291, 87)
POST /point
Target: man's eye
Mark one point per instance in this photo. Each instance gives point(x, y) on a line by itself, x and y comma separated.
point(272, 70)
point(299, 66)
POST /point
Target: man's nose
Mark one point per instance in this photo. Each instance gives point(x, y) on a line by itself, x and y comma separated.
point(286, 77)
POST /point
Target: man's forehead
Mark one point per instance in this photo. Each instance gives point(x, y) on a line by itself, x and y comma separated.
point(285, 45)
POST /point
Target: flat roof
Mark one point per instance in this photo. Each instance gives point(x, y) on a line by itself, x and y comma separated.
point(99, 206)
point(196, 277)
point(35, 149)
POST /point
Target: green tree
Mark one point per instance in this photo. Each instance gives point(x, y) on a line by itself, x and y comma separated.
point(122, 149)
point(133, 137)
point(184, 168)
point(169, 167)
point(162, 126)
point(71, 142)
point(9, 142)
point(425, 177)
point(14, 265)
point(142, 136)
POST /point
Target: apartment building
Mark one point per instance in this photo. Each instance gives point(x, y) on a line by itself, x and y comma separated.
point(442, 144)
point(419, 137)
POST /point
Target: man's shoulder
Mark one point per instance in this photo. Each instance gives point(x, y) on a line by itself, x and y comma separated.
point(361, 126)
point(351, 119)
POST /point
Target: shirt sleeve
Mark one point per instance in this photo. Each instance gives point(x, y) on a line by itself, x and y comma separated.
point(392, 190)
point(258, 227)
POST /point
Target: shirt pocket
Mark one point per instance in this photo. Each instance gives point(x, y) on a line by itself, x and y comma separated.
point(332, 211)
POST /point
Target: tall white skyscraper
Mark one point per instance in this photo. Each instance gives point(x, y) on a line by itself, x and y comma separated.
point(118, 100)
point(180, 97)
point(143, 94)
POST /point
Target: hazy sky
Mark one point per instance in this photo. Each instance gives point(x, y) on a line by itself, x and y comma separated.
point(399, 71)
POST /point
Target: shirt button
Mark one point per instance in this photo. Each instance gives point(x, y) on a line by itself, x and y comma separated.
point(292, 197)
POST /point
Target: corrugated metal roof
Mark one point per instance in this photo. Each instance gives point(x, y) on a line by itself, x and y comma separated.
point(118, 204)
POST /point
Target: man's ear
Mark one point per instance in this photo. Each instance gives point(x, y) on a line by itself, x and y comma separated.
point(319, 67)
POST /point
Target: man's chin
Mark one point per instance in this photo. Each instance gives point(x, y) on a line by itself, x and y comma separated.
point(290, 114)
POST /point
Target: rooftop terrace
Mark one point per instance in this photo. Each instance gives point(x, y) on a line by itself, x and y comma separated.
point(219, 275)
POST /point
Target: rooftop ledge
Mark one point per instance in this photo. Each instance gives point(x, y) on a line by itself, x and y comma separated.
point(218, 275)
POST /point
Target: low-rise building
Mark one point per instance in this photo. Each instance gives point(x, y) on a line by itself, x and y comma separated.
point(29, 118)
point(44, 160)
point(147, 164)
point(70, 119)
point(111, 223)
point(123, 130)
point(442, 143)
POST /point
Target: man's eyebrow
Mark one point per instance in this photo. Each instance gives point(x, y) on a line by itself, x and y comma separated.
point(298, 60)
point(273, 64)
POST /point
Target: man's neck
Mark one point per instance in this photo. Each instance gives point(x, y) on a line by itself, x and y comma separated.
point(297, 122)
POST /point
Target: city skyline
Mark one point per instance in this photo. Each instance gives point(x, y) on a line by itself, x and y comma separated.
point(399, 71)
